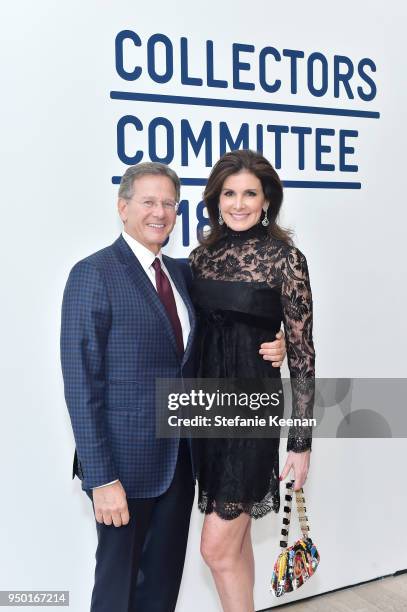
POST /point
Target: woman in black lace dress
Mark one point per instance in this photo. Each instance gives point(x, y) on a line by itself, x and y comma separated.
point(248, 278)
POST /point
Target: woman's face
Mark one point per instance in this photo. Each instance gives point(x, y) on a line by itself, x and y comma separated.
point(242, 200)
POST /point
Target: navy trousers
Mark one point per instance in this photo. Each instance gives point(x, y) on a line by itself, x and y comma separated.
point(139, 565)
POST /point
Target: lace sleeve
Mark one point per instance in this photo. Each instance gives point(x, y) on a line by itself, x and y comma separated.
point(296, 298)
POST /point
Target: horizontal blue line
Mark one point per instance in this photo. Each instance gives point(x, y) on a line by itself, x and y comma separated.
point(269, 106)
point(323, 184)
point(290, 184)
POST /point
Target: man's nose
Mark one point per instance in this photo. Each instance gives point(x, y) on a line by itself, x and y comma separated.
point(159, 210)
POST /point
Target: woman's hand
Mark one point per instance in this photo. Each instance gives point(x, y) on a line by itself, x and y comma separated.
point(300, 463)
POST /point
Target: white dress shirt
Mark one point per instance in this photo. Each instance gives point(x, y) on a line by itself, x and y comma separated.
point(146, 258)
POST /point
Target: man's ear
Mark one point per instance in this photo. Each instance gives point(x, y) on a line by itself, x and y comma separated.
point(122, 209)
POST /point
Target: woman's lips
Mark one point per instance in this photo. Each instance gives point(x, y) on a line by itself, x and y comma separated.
point(239, 216)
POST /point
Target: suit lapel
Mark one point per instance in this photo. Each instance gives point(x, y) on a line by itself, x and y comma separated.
point(139, 277)
point(180, 284)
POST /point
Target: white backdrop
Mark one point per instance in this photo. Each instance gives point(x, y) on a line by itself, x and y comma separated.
point(58, 156)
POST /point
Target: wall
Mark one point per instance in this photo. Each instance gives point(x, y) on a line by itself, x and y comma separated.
point(59, 151)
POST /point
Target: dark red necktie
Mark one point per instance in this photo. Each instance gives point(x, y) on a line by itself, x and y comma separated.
point(166, 295)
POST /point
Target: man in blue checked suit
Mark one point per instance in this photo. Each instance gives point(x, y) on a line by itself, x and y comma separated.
point(127, 320)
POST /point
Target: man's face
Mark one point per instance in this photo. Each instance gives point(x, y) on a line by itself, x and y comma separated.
point(150, 215)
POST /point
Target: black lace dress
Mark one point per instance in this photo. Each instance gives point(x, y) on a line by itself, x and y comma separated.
point(243, 288)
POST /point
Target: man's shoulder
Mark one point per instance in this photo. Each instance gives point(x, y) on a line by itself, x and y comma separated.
point(180, 264)
point(101, 258)
point(176, 261)
point(98, 262)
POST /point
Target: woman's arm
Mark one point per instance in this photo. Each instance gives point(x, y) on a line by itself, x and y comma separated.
point(297, 307)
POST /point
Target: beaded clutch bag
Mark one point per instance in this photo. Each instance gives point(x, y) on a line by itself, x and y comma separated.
point(296, 563)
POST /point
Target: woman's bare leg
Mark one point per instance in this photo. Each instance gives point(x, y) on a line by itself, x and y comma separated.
point(227, 553)
point(248, 552)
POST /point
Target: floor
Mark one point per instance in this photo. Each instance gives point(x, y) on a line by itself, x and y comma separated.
point(383, 595)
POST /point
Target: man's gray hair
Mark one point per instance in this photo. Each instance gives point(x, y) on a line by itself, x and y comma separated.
point(126, 189)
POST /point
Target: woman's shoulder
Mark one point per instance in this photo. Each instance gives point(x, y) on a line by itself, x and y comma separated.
point(198, 256)
point(196, 253)
point(287, 250)
point(290, 261)
point(287, 261)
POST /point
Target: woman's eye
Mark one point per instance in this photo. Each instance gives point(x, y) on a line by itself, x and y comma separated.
point(252, 193)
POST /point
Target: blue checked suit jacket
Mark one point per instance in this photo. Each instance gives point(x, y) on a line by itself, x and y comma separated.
point(116, 339)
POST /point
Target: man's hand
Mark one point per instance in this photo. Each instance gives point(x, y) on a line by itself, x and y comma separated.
point(110, 505)
point(300, 464)
point(274, 351)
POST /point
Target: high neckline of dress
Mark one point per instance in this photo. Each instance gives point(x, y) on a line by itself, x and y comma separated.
point(255, 231)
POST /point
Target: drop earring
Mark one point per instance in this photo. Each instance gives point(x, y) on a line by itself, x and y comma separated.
point(220, 219)
point(265, 221)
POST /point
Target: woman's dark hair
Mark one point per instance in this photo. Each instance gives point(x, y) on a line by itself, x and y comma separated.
point(231, 163)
